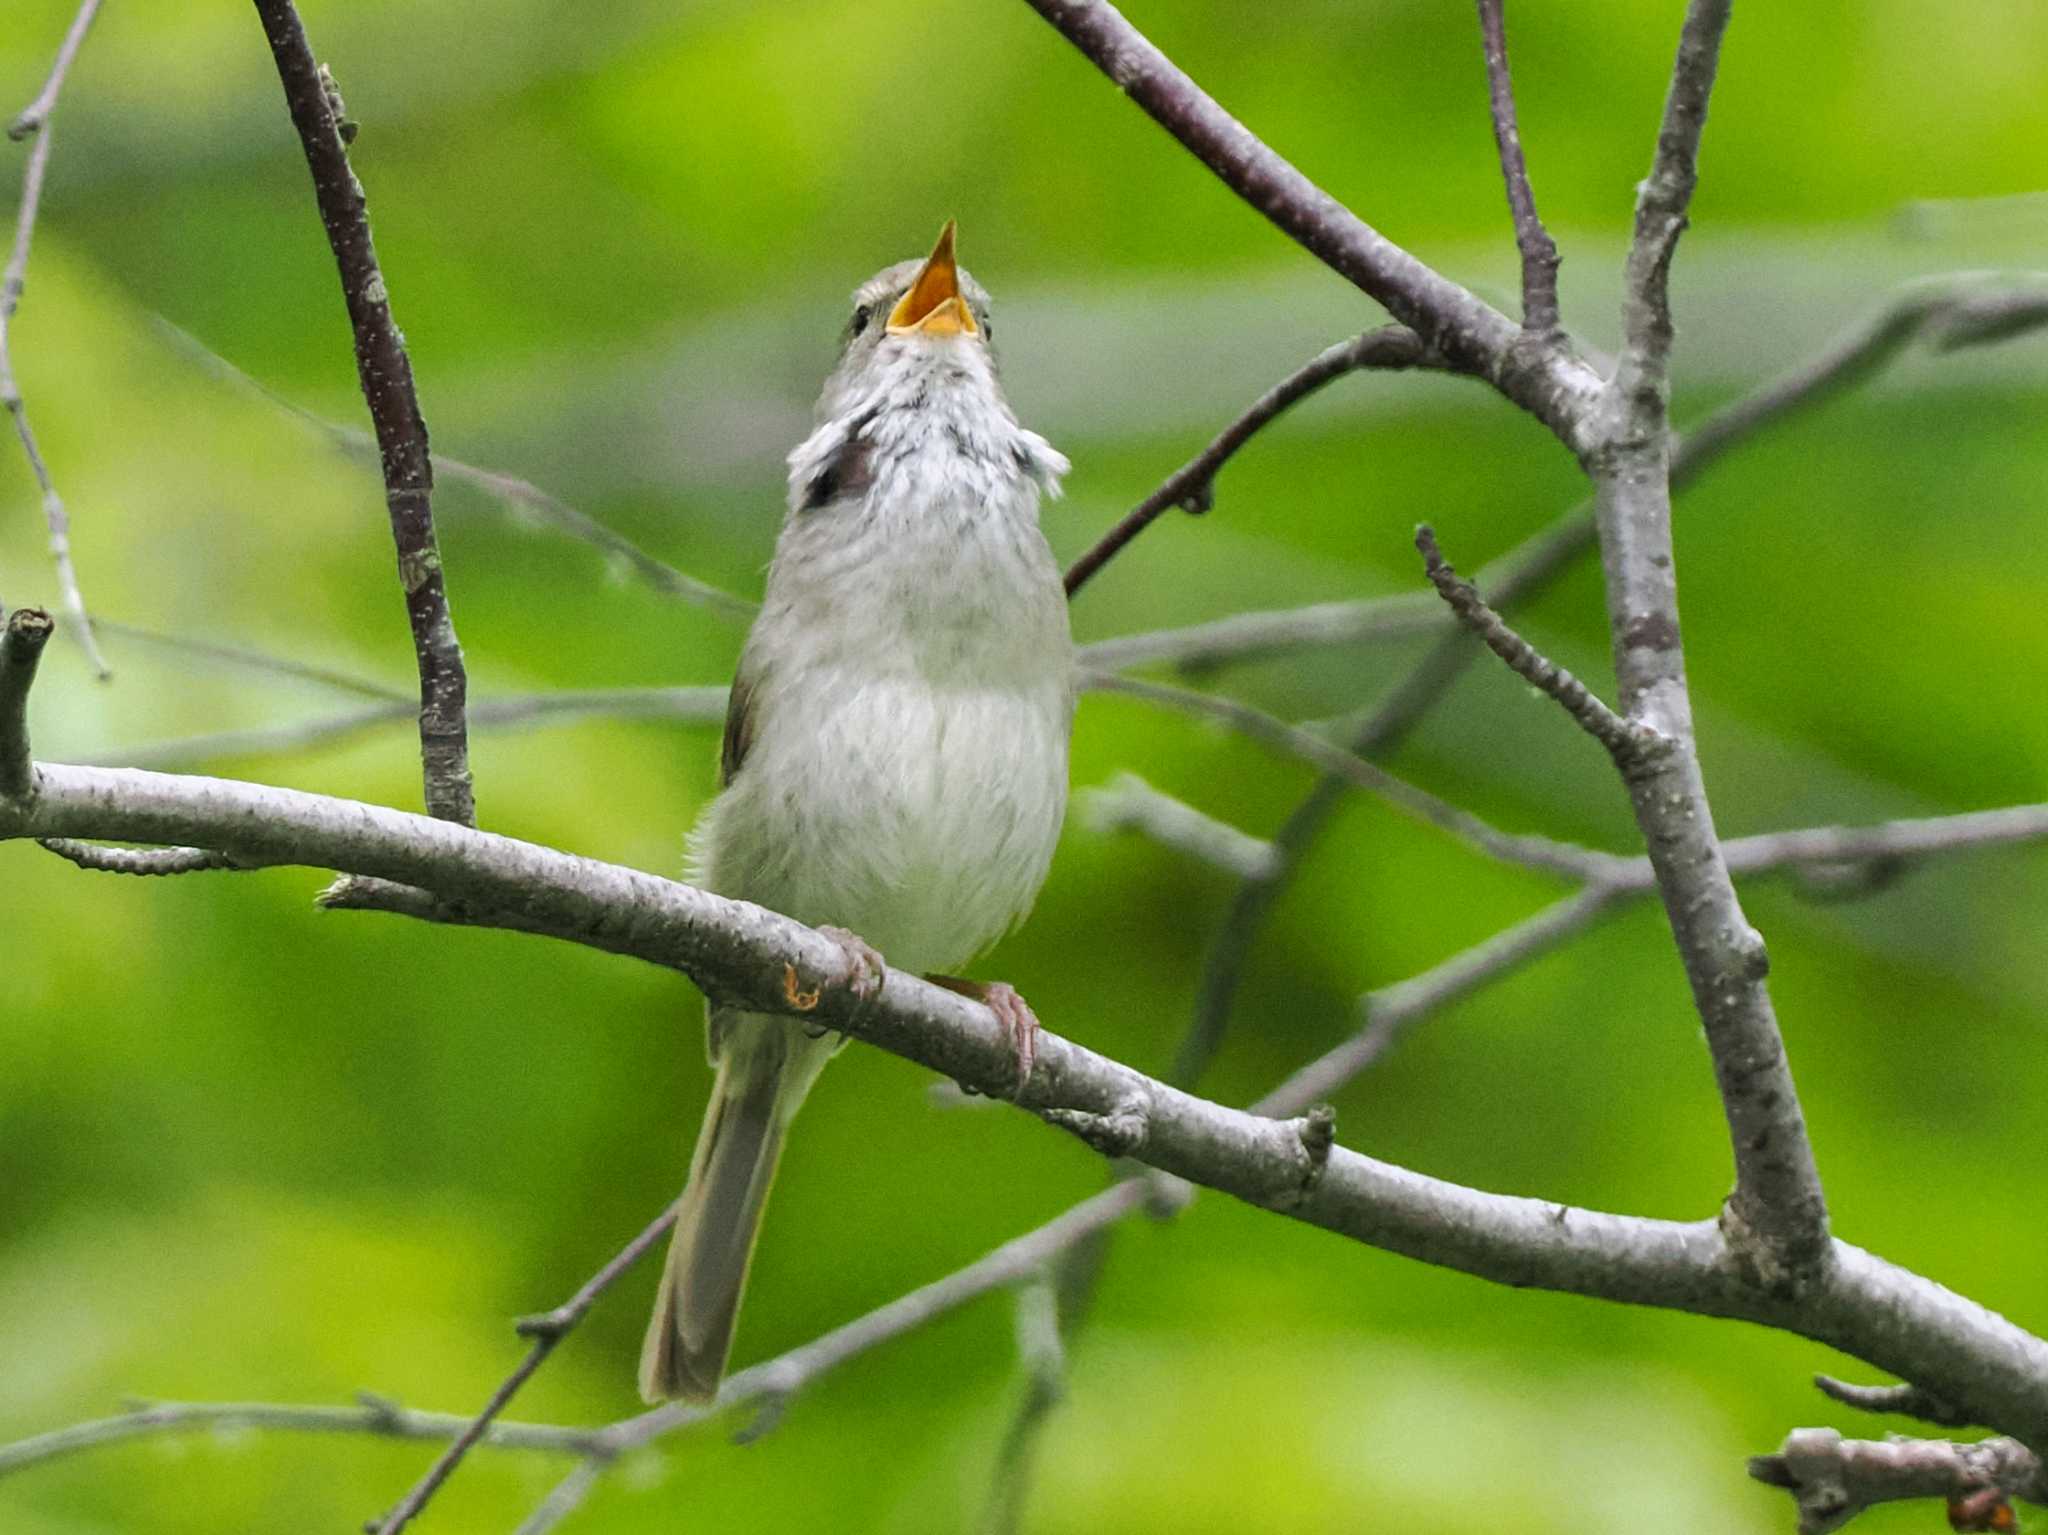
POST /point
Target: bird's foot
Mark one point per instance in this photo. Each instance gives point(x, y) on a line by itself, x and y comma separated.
point(1012, 1012)
point(865, 972)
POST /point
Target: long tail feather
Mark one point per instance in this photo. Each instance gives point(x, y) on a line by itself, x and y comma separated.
point(699, 1301)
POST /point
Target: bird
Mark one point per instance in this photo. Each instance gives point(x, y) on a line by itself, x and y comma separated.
point(894, 765)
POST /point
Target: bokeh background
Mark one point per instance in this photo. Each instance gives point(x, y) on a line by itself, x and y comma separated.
point(250, 1151)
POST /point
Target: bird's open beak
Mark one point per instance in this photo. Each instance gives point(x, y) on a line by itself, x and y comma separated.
point(933, 306)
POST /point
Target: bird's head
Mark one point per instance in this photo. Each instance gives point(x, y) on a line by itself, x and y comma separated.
point(914, 314)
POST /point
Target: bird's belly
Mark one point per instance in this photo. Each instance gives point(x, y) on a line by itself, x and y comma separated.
point(921, 817)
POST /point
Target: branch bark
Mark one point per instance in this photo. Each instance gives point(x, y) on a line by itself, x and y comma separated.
point(751, 958)
point(1471, 335)
point(385, 372)
point(1532, 240)
point(12, 284)
point(27, 631)
point(1192, 487)
point(1777, 1215)
point(1833, 1479)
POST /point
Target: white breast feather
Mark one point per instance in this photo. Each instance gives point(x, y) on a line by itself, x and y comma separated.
point(911, 680)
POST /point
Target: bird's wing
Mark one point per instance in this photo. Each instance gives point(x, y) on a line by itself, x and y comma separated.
point(739, 718)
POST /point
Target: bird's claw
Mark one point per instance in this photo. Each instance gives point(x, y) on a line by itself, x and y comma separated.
point(865, 970)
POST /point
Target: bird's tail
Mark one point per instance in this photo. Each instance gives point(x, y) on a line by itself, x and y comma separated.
point(695, 1311)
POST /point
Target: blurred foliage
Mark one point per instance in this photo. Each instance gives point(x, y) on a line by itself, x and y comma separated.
point(248, 1151)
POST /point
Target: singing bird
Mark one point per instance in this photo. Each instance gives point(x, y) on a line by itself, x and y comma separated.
point(895, 760)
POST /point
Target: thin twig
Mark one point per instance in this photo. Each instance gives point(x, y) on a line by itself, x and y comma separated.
point(32, 117)
point(1952, 311)
point(1192, 487)
point(1389, 1011)
point(1468, 333)
point(55, 517)
point(1128, 803)
point(1532, 852)
point(546, 1331)
point(688, 705)
point(376, 1417)
point(385, 372)
point(251, 659)
point(1538, 250)
point(22, 640)
point(1194, 648)
point(1043, 1354)
point(1662, 202)
point(1906, 1400)
point(134, 860)
point(1624, 742)
point(521, 495)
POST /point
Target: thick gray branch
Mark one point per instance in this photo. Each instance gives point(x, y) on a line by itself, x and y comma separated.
point(1834, 1479)
point(1894, 1320)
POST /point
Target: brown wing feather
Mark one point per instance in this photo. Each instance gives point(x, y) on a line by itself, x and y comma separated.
point(739, 724)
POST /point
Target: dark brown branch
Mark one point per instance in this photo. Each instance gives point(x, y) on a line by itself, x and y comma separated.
point(1626, 744)
point(1834, 1479)
point(55, 518)
point(21, 650)
point(385, 372)
point(1469, 334)
point(546, 1330)
point(32, 117)
point(1538, 250)
point(1192, 487)
point(135, 860)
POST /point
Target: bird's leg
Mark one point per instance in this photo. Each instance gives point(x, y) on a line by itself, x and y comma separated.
point(864, 971)
point(1011, 1011)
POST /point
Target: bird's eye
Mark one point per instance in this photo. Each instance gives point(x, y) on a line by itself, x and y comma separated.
point(988, 328)
point(859, 322)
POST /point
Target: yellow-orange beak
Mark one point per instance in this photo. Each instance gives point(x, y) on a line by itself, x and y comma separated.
point(934, 306)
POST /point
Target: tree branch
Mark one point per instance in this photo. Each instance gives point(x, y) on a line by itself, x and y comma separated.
point(1624, 743)
point(21, 650)
point(1643, 376)
point(385, 372)
point(546, 1331)
point(1538, 250)
point(753, 959)
point(521, 495)
point(1469, 334)
point(376, 1416)
point(1910, 1401)
point(1193, 486)
point(686, 705)
point(1128, 803)
point(12, 283)
point(1528, 851)
point(1834, 1479)
point(1777, 1216)
point(31, 118)
point(154, 861)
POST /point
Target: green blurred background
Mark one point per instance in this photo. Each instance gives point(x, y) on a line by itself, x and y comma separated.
point(250, 1151)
